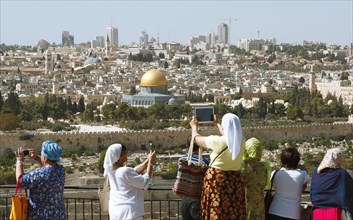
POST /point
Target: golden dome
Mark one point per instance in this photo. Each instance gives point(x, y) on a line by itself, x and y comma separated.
point(153, 77)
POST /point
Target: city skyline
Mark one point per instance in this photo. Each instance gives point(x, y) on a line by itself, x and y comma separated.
point(27, 22)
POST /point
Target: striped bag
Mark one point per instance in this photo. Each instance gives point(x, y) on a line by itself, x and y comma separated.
point(190, 174)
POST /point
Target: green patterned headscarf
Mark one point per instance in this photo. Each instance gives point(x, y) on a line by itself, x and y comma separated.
point(253, 149)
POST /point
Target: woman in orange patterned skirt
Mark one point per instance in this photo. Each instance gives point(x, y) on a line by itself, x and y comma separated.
point(223, 192)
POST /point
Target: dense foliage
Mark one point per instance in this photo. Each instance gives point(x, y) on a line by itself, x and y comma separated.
point(301, 106)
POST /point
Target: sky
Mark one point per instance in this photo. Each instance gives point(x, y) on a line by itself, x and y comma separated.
point(27, 22)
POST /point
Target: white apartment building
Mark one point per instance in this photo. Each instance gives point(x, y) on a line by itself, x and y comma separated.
point(223, 33)
point(112, 37)
point(197, 39)
point(100, 40)
point(255, 44)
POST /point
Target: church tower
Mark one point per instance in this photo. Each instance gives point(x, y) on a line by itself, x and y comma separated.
point(49, 62)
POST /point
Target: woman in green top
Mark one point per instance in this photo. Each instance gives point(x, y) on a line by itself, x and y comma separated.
point(255, 174)
point(223, 193)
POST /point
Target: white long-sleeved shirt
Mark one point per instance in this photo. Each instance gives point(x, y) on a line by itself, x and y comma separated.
point(126, 193)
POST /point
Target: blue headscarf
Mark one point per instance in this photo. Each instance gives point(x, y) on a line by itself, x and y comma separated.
point(51, 151)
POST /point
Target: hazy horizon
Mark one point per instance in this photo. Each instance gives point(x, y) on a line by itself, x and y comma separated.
point(27, 22)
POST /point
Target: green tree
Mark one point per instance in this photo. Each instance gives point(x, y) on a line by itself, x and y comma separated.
point(132, 90)
point(81, 104)
point(294, 112)
point(340, 107)
point(74, 108)
point(8, 154)
point(12, 104)
point(301, 80)
point(88, 115)
point(161, 55)
point(166, 64)
point(69, 105)
point(108, 111)
point(101, 161)
point(280, 109)
point(44, 109)
point(261, 108)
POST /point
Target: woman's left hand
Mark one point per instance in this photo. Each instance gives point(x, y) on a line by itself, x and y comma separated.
point(19, 154)
point(152, 158)
point(193, 122)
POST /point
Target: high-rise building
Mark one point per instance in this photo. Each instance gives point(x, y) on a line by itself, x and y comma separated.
point(144, 38)
point(223, 33)
point(112, 37)
point(100, 40)
point(94, 43)
point(67, 39)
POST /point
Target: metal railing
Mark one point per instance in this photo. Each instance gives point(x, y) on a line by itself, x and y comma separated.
point(82, 203)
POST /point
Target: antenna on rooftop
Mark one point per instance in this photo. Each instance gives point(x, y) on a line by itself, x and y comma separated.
point(258, 34)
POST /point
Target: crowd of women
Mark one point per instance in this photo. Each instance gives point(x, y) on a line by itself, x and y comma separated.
point(233, 185)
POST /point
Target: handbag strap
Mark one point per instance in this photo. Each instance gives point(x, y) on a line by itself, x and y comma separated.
point(191, 150)
point(273, 177)
point(217, 156)
point(18, 185)
point(106, 182)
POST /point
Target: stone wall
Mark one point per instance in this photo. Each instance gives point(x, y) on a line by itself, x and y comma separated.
point(139, 140)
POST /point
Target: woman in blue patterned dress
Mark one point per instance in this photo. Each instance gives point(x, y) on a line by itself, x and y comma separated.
point(45, 184)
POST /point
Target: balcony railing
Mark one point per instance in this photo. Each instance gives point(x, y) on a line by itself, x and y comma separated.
point(82, 203)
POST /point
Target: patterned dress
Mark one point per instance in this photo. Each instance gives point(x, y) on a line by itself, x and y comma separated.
point(255, 178)
point(223, 195)
point(46, 193)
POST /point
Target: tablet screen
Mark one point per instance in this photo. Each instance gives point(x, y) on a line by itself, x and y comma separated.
point(204, 114)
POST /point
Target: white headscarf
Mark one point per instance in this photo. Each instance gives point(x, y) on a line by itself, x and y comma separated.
point(111, 156)
point(233, 133)
point(332, 159)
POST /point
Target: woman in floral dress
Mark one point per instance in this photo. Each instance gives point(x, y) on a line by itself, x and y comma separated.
point(223, 193)
point(45, 184)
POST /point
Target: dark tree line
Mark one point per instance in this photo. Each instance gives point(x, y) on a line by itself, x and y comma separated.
point(299, 105)
point(13, 112)
point(143, 57)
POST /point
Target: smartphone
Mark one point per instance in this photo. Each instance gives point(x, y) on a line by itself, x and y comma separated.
point(25, 152)
point(204, 115)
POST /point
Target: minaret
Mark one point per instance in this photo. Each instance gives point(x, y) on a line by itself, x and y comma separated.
point(312, 85)
point(107, 46)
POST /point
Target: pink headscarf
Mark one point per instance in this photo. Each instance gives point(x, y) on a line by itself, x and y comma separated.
point(332, 159)
point(233, 133)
